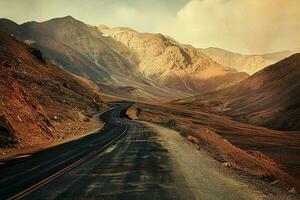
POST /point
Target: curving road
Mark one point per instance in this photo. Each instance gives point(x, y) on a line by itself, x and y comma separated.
point(126, 160)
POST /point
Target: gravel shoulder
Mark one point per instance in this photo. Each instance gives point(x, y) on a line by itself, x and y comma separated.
point(206, 177)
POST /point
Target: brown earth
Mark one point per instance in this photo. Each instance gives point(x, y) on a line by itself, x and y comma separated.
point(268, 154)
point(39, 101)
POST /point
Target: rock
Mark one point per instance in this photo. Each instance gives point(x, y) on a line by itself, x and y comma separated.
point(227, 164)
point(65, 85)
point(192, 139)
point(19, 118)
point(274, 182)
point(132, 112)
point(55, 117)
point(38, 54)
point(6, 64)
point(19, 60)
point(292, 191)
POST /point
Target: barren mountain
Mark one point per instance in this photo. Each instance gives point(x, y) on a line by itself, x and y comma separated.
point(39, 101)
point(123, 60)
point(270, 97)
point(171, 64)
point(244, 63)
point(75, 46)
point(82, 50)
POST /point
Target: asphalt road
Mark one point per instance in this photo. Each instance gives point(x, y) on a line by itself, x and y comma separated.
point(124, 161)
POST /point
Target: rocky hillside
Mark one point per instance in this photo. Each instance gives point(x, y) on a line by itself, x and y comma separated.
point(82, 50)
point(75, 46)
point(39, 101)
point(123, 60)
point(172, 64)
point(269, 98)
point(244, 63)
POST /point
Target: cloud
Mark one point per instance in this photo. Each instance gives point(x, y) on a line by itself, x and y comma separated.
point(249, 26)
point(246, 26)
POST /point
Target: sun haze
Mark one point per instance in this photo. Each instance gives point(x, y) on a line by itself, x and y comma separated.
point(246, 26)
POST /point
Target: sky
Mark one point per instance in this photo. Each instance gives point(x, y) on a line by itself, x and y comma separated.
point(244, 26)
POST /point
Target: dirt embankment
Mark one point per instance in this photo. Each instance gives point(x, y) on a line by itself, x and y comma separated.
point(133, 112)
point(244, 156)
point(39, 101)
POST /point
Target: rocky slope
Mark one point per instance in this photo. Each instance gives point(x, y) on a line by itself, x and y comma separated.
point(123, 60)
point(75, 46)
point(39, 101)
point(82, 50)
point(269, 98)
point(265, 153)
point(171, 64)
point(244, 63)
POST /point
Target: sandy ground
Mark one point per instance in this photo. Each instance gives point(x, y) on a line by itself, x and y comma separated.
point(208, 178)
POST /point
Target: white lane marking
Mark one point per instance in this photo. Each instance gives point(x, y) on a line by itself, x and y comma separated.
point(110, 149)
point(43, 182)
point(23, 156)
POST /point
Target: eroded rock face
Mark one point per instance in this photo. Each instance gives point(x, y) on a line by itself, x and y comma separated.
point(33, 92)
point(38, 54)
point(268, 98)
point(173, 64)
point(7, 133)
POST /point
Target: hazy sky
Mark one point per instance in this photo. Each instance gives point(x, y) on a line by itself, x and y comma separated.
point(246, 26)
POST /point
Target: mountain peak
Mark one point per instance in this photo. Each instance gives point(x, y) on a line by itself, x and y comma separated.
point(7, 21)
point(65, 18)
point(68, 17)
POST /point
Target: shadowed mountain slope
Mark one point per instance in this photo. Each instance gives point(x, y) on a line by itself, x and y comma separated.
point(39, 101)
point(269, 98)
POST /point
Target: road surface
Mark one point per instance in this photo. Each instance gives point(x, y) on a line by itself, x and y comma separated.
point(126, 160)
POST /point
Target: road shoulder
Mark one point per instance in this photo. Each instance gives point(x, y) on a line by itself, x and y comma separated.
point(206, 177)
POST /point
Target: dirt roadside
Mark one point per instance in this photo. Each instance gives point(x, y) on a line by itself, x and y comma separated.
point(247, 150)
point(95, 125)
point(208, 178)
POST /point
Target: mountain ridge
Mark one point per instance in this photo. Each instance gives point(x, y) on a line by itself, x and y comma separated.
point(244, 63)
point(39, 101)
point(268, 98)
point(171, 71)
point(172, 61)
